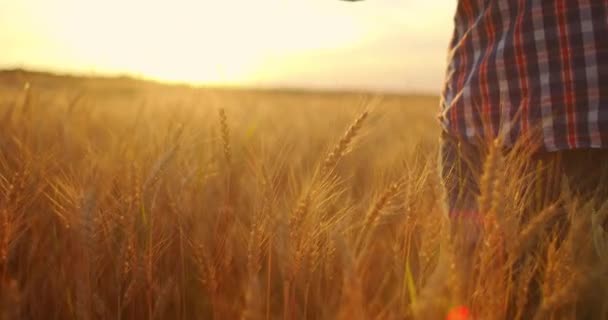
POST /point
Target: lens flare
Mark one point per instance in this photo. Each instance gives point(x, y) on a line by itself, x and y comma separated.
point(459, 313)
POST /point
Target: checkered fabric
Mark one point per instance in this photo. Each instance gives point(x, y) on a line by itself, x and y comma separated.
point(516, 66)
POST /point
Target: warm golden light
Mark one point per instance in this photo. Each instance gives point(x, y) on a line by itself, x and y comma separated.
point(241, 42)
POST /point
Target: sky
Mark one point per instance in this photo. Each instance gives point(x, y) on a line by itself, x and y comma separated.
point(388, 45)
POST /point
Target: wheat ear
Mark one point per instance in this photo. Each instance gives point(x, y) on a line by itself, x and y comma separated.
point(342, 146)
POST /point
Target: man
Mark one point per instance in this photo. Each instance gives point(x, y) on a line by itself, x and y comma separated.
point(532, 73)
point(519, 67)
point(525, 69)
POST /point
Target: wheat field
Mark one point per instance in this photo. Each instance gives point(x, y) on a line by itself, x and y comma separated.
point(121, 199)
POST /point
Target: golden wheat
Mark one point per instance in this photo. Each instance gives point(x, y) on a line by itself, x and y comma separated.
point(110, 211)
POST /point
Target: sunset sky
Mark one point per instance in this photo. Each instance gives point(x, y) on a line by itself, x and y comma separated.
point(395, 45)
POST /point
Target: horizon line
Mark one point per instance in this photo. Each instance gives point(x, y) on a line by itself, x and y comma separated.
point(202, 85)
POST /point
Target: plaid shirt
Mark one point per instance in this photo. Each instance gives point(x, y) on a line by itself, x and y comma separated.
point(519, 65)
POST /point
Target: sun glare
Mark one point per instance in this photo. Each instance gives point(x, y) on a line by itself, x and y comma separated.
point(200, 41)
point(229, 41)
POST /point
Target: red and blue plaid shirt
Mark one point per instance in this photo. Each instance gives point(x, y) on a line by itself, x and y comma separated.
point(517, 65)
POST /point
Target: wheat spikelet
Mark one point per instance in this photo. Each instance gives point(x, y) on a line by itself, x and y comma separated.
point(257, 241)
point(131, 269)
point(208, 272)
point(565, 295)
point(159, 167)
point(489, 178)
point(372, 215)
point(499, 205)
point(129, 256)
point(295, 241)
point(578, 244)
point(253, 263)
point(491, 248)
point(298, 215)
point(316, 255)
point(13, 190)
point(330, 259)
point(87, 224)
point(135, 200)
point(26, 104)
point(489, 285)
point(598, 233)
point(225, 132)
point(531, 229)
point(525, 279)
point(342, 146)
point(551, 267)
